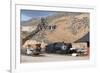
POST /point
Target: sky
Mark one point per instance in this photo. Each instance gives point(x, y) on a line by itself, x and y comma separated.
point(29, 14)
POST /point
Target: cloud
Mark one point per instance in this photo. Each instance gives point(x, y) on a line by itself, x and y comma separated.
point(25, 17)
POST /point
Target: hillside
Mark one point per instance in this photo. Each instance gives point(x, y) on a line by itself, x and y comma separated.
point(69, 27)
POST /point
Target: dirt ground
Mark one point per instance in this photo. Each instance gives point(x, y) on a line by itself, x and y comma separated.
point(50, 58)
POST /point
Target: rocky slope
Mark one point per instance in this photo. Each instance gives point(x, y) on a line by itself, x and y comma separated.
point(69, 27)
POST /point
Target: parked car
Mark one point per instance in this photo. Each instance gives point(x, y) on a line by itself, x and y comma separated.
point(34, 51)
point(81, 51)
point(72, 50)
point(78, 51)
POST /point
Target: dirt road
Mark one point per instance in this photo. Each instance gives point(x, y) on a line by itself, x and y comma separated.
point(50, 58)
